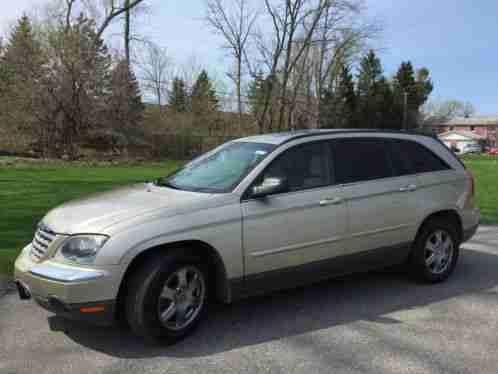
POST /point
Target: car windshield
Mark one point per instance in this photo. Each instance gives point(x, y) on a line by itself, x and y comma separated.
point(219, 170)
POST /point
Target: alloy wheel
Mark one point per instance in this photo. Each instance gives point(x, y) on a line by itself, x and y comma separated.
point(182, 298)
point(439, 250)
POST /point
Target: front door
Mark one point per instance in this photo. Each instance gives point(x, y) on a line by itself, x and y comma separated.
point(303, 225)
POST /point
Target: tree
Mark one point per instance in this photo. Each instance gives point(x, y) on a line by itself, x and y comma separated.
point(124, 104)
point(178, 99)
point(154, 66)
point(113, 10)
point(424, 86)
point(296, 23)
point(442, 111)
point(341, 37)
point(234, 21)
point(203, 96)
point(368, 90)
point(385, 106)
point(339, 104)
point(71, 95)
point(410, 93)
point(255, 93)
point(22, 68)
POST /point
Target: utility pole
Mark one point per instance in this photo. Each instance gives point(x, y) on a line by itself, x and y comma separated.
point(405, 109)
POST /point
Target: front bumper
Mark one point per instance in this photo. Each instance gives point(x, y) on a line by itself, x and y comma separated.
point(69, 291)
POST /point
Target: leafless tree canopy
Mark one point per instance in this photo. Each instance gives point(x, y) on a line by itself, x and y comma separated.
point(292, 50)
point(234, 21)
point(155, 69)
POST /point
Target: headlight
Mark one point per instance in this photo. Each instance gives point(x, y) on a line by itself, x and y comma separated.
point(81, 248)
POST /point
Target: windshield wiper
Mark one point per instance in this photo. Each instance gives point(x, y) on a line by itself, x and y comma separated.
point(163, 182)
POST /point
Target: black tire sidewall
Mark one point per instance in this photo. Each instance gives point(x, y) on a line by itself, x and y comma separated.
point(421, 272)
point(148, 298)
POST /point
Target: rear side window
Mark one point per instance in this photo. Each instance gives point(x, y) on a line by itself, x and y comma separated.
point(359, 160)
point(401, 163)
point(414, 157)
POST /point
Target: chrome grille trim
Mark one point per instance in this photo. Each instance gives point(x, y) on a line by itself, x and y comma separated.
point(41, 242)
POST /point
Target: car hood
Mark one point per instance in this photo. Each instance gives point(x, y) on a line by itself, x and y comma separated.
point(95, 213)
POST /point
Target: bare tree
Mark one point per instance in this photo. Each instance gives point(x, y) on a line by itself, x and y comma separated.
point(154, 66)
point(310, 40)
point(69, 10)
point(190, 69)
point(442, 111)
point(234, 21)
point(290, 40)
point(113, 10)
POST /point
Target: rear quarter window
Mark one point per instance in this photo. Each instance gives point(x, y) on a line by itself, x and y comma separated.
point(410, 157)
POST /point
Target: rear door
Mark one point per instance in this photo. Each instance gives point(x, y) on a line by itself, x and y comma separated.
point(381, 199)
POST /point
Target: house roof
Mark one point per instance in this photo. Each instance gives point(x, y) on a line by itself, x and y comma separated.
point(467, 134)
point(471, 121)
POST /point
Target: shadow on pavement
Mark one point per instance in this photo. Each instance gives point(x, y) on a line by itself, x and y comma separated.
point(257, 320)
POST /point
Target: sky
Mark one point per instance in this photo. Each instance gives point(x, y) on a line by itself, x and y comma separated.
point(457, 40)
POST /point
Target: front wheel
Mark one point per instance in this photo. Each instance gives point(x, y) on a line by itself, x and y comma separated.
point(167, 298)
point(435, 252)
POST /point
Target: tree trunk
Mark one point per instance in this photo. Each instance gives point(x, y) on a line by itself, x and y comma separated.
point(127, 33)
point(239, 91)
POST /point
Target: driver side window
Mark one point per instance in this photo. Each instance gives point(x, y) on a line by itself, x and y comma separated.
point(303, 167)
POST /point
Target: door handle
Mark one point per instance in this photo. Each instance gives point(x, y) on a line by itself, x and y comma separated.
point(409, 188)
point(331, 201)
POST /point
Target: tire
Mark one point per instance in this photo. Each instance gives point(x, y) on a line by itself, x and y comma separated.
point(156, 290)
point(424, 267)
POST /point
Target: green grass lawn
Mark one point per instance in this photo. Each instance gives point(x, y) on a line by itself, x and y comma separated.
point(485, 170)
point(28, 191)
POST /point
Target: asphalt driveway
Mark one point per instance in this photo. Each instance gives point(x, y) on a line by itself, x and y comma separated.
point(378, 322)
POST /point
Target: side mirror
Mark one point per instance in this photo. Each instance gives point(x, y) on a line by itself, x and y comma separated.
point(269, 186)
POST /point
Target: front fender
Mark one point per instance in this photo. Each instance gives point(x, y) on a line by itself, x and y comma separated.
point(222, 232)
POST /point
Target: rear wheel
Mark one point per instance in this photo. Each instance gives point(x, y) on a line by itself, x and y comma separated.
point(435, 252)
point(167, 298)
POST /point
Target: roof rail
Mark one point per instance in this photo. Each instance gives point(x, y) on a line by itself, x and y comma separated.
point(356, 131)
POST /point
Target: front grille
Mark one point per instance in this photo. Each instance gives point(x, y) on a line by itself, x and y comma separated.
point(41, 242)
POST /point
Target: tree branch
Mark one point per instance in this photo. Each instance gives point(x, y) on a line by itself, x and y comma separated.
point(113, 13)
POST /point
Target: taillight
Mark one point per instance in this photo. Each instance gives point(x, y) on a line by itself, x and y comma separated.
point(471, 183)
point(466, 200)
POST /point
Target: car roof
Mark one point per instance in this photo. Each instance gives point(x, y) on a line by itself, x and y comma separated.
point(279, 138)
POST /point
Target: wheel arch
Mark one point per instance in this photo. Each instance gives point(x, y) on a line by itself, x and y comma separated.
point(208, 255)
point(446, 214)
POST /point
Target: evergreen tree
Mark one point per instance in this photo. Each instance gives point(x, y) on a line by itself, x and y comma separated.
point(424, 86)
point(124, 104)
point(203, 97)
point(369, 90)
point(21, 68)
point(348, 100)
point(415, 90)
point(385, 105)
point(23, 55)
point(178, 100)
point(339, 105)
